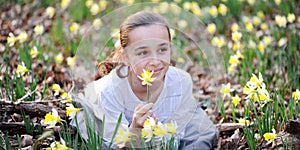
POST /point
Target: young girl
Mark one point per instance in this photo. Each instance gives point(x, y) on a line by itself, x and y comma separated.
point(145, 44)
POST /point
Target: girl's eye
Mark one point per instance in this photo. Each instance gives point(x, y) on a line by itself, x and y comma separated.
point(142, 53)
point(161, 50)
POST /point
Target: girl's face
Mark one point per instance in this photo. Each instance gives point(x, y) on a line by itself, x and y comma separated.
point(148, 48)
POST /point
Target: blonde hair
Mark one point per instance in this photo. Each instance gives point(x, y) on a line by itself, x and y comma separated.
point(141, 18)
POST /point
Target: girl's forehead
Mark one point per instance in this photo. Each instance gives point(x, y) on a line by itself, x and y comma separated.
point(153, 32)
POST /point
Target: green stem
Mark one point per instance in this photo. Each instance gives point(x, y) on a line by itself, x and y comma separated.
point(147, 93)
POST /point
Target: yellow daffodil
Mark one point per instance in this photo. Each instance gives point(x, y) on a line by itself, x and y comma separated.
point(159, 130)
point(251, 2)
point(51, 118)
point(64, 95)
point(97, 23)
point(213, 11)
point(236, 36)
point(182, 24)
point(74, 27)
point(71, 61)
point(115, 33)
point(226, 89)
point(187, 6)
point(236, 100)
point(123, 136)
point(270, 136)
point(59, 58)
point(147, 133)
point(211, 28)
point(250, 91)
point(251, 44)
point(50, 11)
point(246, 20)
point(256, 21)
point(163, 7)
point(261, 15)
point(231, 69)
point(146, 77)
point(57, 146)
point(237, 46)
point(280, 21)
point(234, 60)
point(34, 52)
point(64, 4)
point(197, 11)
point(261, 47)
point(296, 95)
point(291, 18)
point(95, 9)
point(277, 2)
point(39, 29)
point(172, 127)
point(21, 69)
point(89, 3)
point(22, 37)
point(264, 26)
point(71, 111)
point(218, 41)
point(56, 88)
point(249, 27)
point(11, 39)
point(282, 41)
point(239, 55)
point(257, 81)
point(235, 27)
point(172, 32)
point(175, 9)
point(222, 9)
point(244, 121)
point(103, 3)
point(267, 40)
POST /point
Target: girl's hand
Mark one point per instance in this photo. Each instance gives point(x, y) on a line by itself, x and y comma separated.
point(140, 115)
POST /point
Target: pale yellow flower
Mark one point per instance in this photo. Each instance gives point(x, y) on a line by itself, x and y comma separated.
point(74, 27)
point(97, 23)
point(172, 32)
point(64, 4)
point(251, 44)
point(237, 46)
point(236, 36)
point(270, 136)
point(197, 11)
point(59, 58)
point(71, 61)
point(160, 130)
point(280, 21)
point(39, 29)
point(65, 96)
point(155, 1)
point(235, 27)
point(218, 41)
point(226, 89)
point(234, 60)
point(71, 111)
point(172, 127)
point(222, 9)
point(147, 133)
point(50, 11)
point(146, 77)
point(89, 3)
point(115, 33)
point(213, 11)
point(21, 69)
point(211, 28)
point(34, 52)
point(261, 15)
point(103, 3)
point(56, 88)
point(163, 7)
point(291, 18)
point(182, 24)
point(51, 118)
point(249, 26)
point(267, 40)
point(232, 69)
point(244, 121)
point(251, 2)
point(95, 9)
point(261, 47)
point(175, 9)
point(236, 100)
point(256, 81)
point(256, 20)
point(277, 2)
point(264, 26)
point(263, 94)
point(57, 146)
point(11, 39)
point(22, 37)
point(123, 136)
point(187, 6)
point(282, 41)
point(296, 95)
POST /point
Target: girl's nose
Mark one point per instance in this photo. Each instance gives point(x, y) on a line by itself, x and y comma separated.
point(154, 63)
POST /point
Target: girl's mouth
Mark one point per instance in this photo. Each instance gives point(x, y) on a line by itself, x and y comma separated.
point(157, 71)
